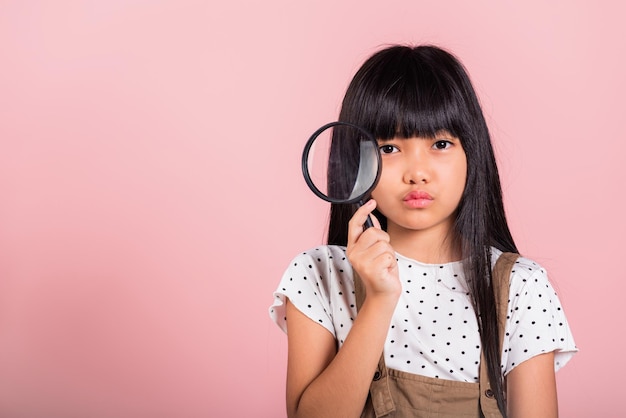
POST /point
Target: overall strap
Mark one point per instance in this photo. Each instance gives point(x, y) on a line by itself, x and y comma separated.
point(501, 279)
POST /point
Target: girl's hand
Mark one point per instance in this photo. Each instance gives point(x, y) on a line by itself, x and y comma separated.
point(321, 380)
point(372, 256)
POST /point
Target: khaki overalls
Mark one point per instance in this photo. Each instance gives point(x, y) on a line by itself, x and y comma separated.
point(399, 394)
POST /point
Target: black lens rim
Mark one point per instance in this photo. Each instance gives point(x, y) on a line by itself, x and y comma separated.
point(305, 165)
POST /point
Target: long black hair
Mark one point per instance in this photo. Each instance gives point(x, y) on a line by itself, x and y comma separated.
point(404, 91)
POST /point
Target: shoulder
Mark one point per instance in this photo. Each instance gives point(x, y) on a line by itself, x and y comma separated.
point(528, 274)
point(529, 286)
point(321, 260)
point(524, 270)
point(322, 253)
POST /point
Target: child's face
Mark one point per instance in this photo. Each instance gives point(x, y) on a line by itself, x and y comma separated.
point(421, 183)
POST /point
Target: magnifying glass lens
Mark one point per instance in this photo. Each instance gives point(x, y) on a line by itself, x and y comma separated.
point(341, 163)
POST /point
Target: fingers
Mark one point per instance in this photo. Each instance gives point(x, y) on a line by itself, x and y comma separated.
point(377, 260)
point(357, 223)
point(369, 251)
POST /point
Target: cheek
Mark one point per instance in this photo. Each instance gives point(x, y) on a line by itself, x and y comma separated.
point(376, 194)
point(460, 176)
point(378, 191)
point(386, 186)
point(379, 196)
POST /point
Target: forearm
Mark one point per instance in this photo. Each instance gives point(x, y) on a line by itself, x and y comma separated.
point(342, 388)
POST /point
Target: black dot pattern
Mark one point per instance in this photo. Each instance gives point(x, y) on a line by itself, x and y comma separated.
point(536, 323)
point(434, 331)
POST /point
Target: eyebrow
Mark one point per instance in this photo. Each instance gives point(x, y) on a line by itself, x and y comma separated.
point(440, 134)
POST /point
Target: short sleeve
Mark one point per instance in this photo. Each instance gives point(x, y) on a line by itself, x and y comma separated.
point(306, 283)
point(536, 322)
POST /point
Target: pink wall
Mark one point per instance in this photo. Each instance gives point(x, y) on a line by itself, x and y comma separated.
point(151, 193)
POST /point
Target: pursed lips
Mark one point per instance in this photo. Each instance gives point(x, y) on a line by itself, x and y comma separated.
point(418, 199)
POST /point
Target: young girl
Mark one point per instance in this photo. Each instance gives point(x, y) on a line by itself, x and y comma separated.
point(416, 291)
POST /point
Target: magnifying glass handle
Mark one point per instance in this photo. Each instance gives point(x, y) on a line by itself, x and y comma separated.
point(368, 221)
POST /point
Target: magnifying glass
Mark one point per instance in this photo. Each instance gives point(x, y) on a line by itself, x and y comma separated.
point(341, 164)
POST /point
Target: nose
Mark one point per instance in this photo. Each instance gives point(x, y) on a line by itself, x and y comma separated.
point(416, 169)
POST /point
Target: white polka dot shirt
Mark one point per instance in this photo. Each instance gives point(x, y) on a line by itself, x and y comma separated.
point(433, 331)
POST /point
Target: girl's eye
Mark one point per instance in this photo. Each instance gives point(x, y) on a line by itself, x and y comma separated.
point(387, 149)
point(442, 144)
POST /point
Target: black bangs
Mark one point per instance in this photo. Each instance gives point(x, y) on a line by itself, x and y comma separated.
point(415, 107)
point(404, 93)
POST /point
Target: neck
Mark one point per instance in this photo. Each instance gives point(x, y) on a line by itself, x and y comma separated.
point(432, 246)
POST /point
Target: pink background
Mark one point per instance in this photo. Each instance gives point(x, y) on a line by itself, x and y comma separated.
point(151, 194)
